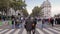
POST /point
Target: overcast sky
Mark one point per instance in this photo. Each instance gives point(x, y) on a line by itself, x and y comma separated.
point(54, 3)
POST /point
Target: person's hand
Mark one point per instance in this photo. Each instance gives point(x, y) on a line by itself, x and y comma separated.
point(33, 24)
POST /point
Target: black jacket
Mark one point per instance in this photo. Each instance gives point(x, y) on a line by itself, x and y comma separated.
point(34, 22)
point(28, 25)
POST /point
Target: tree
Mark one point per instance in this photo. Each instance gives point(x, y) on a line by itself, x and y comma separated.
point(4, 4)
point(36, 11)
point(25, 13)
point(17, 5)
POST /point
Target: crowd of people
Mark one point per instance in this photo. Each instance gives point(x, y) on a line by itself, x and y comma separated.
point(31, 22)
point(17, 22)
point(30, 25)
point(52, 21)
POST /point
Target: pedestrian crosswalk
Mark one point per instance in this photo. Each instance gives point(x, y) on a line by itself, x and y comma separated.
point(16, 32)
point(41, 32)
point(57, 28)
point(24, 32)
point(0, 29)
point(48, 31)
point(53, 30)
point(9, 31)
point(4, 31)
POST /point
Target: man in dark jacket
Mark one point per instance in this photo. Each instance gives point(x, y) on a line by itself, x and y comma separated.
point(34, 25)
point(52, 21)
point(30, 25)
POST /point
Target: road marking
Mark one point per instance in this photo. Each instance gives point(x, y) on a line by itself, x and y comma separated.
point(24, 32)
point(4, 31)
point(9, 31)
point(41, 32)
point(1, 29)
point(47, 31)
point(17, 31)
point(54, 30)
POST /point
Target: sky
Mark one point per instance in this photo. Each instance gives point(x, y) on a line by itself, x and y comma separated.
point(55, 5)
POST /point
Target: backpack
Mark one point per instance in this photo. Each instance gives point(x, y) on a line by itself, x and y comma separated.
point(28, 25)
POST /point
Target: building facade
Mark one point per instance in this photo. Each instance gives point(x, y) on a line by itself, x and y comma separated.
point(15, 13)
point(46, 9)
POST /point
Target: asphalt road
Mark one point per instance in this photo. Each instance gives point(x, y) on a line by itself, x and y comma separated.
point(48, 29)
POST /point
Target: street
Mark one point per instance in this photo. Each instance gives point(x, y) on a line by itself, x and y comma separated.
point(48, 29)
point(29, 17)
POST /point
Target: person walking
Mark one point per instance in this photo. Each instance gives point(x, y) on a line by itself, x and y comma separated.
point(28, 25)
point(52, 22)
point(22, 21)
point(34, 22)
point(13, 21)
point(43, 21)
point(17, 23)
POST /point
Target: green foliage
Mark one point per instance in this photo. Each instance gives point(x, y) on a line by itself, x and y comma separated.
point(36, 11)
point(25, 13)
point(17, 4)
point(4, 4)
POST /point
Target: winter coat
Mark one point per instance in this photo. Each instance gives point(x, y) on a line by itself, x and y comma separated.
point(34, 23)
point(28, 25)
point(52, 21)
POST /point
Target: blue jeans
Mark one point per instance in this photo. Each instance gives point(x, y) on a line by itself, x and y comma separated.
point(20, 26)
point(17, 26)
point(43, 25)
point(13, 26)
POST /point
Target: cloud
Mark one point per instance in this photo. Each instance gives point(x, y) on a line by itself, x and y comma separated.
point(55, 10)
point(29, 10)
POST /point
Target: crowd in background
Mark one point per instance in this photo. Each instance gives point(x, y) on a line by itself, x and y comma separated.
point(30, 22)
point(19, 20)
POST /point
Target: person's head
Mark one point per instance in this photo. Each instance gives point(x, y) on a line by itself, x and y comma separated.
point(29, 17)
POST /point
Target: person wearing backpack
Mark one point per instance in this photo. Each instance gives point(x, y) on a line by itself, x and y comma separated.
point(28, 25)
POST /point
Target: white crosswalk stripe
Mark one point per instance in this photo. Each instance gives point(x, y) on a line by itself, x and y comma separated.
point(3, 31)
point(16, 31)
point(9, 31)
point(41, 32)
point(54, 30)
point(48, 31)
point(24, 32)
